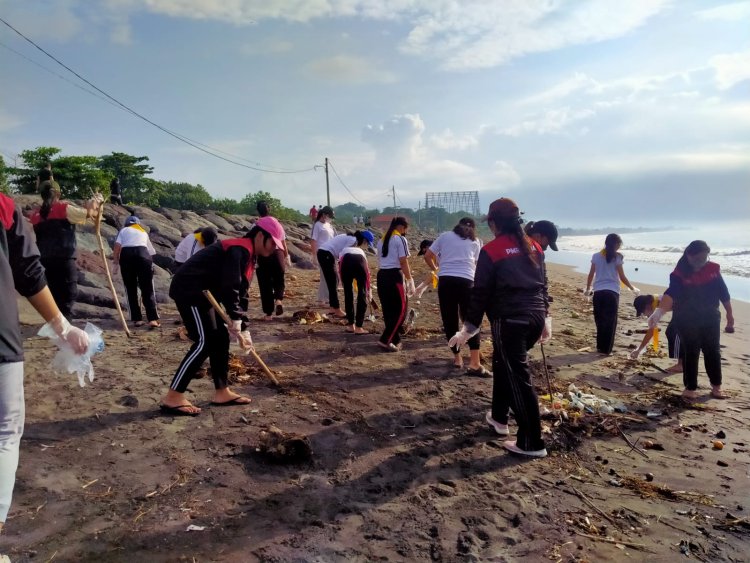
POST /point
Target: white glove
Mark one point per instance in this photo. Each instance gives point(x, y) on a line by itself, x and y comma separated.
point(461, 337)
point(245, 340)
point(636, 291)
point(410, 289)
point(588, 292)
point(73, 336)
point(289, 260)
point(655, 317)
point(234, 331)
point(546, 331)
point(635, 353)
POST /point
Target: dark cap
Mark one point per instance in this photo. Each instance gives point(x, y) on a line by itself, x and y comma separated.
point(503, 208)
point(423, 246)
point(327, 210)
point(544, 228)
point(641, 302)
point(132, 220)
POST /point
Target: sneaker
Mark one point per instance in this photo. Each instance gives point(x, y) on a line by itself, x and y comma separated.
point(389, 347)
point(501, 429)
point(481, 371)
point(511, 446)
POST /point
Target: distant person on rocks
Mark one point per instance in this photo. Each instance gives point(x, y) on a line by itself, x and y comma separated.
point(454, 256)
point(115, 193)
point(355, 271)
point(225, 269)
point(313, 213)
point(271, 270)
point(328, 255)
point(395, 282)
point(55, 227)
point(193, 243)
point(646, 305)
point(322, 232)
point(44, 175)
point(696, 288)
point(510, 288)
point(606, 273)
point(20, 271)
point(133, 253)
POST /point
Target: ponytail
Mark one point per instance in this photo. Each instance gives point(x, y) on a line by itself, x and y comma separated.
point(466, 228)
point(50, 194)
point(513, 226)
point(395, 222)
point(610, 246)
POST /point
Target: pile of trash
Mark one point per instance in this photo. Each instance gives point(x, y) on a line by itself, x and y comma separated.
point(577, 403)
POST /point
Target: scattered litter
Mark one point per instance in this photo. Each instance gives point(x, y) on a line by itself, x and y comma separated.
point(194, 528)
point(654, 414)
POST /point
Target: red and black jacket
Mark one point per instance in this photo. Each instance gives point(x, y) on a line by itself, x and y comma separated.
point(55, 235)
point(507, 282)
point(20, 269)
point(225, 268)
point(696, 295)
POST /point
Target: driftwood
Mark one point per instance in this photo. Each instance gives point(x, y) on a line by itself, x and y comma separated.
point(220, 311)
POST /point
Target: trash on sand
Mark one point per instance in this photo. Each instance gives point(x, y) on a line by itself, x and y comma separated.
point(194, 528)
point(718, 445)
point(589, 402)
point(654, 414)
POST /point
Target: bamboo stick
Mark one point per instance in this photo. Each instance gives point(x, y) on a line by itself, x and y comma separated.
point(98, 224)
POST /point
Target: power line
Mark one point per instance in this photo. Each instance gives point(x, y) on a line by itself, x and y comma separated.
point(345, 186)
point(181, 138)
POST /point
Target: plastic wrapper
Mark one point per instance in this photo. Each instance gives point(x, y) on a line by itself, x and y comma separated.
point(67, 361)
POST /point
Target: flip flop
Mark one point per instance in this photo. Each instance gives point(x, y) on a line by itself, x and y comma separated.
point(237, 401)
point(154, 324)
point(177, 411)
point(481, 371)
point(279, 310)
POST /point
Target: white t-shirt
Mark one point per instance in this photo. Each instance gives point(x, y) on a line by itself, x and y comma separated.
point(456, 256)
point(337, 244)
point(353, 250)
point(187, 247)
point(605, 273)
point(130, 236)
point(322, 232)
point(398, 247)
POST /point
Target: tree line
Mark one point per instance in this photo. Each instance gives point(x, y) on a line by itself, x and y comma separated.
point(80, 176)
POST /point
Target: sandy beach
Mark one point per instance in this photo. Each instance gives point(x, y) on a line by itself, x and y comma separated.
point(403, 468)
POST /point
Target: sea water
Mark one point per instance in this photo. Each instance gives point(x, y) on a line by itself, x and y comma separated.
point(651, 256)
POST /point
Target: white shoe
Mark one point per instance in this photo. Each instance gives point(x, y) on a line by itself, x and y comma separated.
point(501, 429)
point(511, 446)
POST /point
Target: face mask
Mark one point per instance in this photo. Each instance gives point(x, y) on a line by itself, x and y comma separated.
point(698, 265)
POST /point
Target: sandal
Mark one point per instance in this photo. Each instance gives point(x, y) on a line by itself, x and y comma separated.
point(481, 371)
point(178, 410)
point(154, 324)
point(239, 400)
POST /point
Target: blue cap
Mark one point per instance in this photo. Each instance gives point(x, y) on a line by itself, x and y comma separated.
point(369, 237)
point(132, 220)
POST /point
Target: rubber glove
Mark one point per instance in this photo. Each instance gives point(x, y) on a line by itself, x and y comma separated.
point(73, 336)
point(461, 337)
point(655, 317)
point(245, 340)
point(410, 289)
point(234, 331)
point(636, 291)
point(587, 293)
point(635, 353)
point(289, 260)
point(546, 331)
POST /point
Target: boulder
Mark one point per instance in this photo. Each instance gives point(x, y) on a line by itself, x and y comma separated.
point(300, 258)
point(219, 222)
point(86, 311)
point(95, 296)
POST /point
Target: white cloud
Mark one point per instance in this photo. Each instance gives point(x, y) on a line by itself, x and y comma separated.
point(8, 121)
point(349, 69)
point(552, 121)
point(505, 175)
point(447, 140)
point(736, 11)
point(731, 69)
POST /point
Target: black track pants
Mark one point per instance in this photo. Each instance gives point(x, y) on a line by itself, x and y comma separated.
point(138, 272)
point(700, 335)
point(454, 294)
point(270, 274)
point(605, 316)
point(354, 267)
point(394, 303)
point(327, 263)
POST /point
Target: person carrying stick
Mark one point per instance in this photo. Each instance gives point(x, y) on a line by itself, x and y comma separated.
point(225, 269)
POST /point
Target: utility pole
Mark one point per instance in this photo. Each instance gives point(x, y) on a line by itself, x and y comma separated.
point(328, 187)
point(393, 188)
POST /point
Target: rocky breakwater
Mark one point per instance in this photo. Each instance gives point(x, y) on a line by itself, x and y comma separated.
point(166, 228)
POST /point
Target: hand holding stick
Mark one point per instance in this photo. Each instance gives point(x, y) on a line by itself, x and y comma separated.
point(220, 311)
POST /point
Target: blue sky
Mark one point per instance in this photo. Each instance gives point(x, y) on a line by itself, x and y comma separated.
point(588, 112)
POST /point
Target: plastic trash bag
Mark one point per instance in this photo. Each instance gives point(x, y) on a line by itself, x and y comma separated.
point(67, 361)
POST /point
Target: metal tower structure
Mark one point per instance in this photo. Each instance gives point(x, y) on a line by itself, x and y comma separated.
point(453, 202)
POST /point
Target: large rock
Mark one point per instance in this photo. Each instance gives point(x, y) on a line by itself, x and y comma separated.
point(219, 222)
point(86, 311)
point(158, 224)
point(300, 258)
point(95, 296)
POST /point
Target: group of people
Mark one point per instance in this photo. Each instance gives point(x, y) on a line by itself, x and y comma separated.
point(504, 280)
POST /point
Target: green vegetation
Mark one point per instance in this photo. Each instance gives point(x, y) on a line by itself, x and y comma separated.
point(80, 176)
